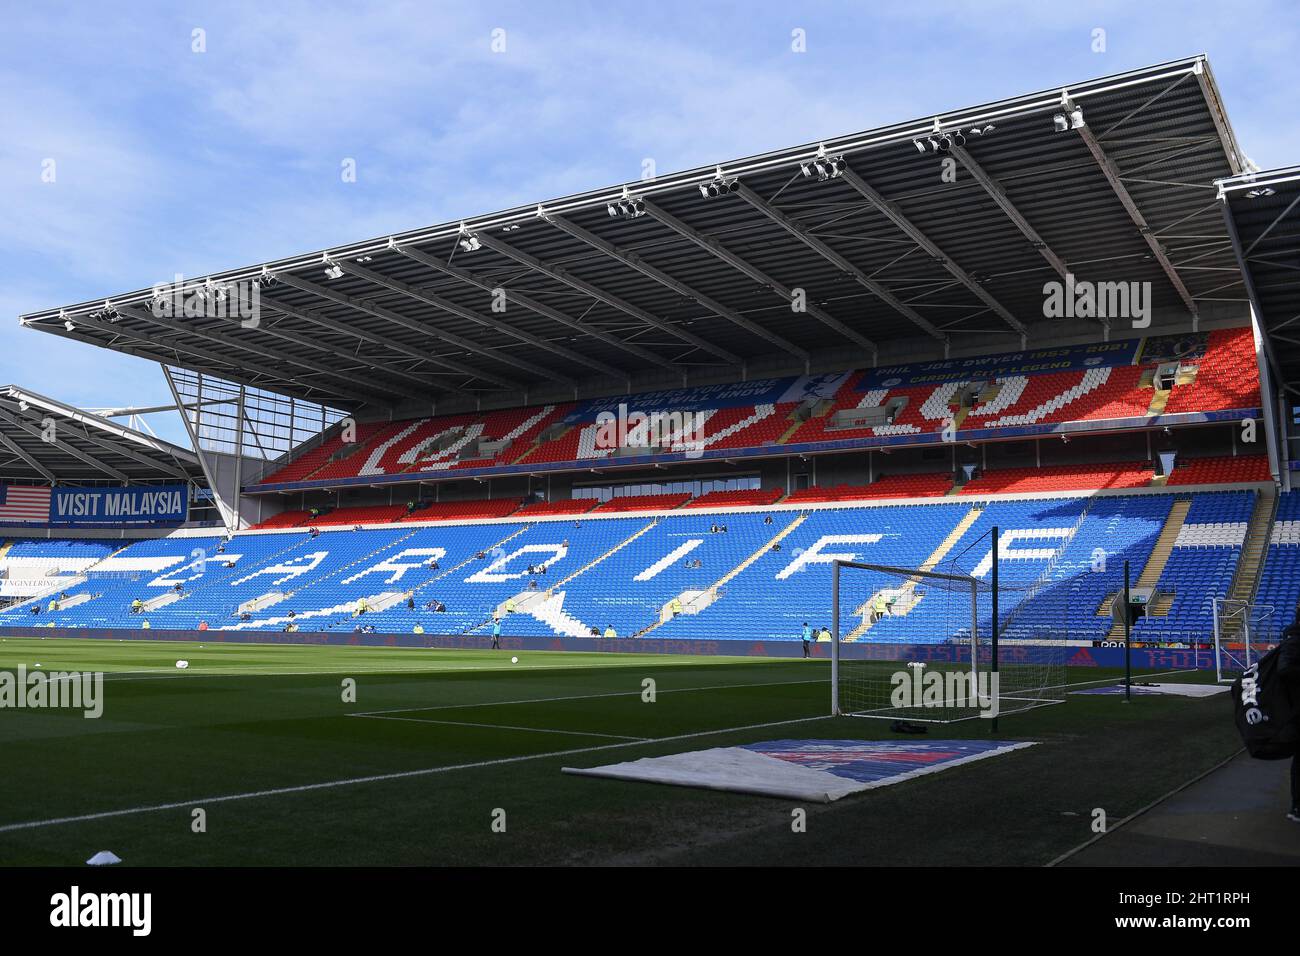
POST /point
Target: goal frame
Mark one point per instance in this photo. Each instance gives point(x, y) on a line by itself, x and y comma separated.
point(838, 564)
point(1230, 662)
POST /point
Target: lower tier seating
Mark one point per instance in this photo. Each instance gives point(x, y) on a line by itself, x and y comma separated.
point(739, 573)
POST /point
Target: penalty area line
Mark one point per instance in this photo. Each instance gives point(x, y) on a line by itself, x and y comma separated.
point(534, 730)
point(385, 777)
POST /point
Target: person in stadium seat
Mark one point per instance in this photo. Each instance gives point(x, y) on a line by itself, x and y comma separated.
point(433, 565)
point(418, 629)
point(609, 631)
point(291, 627)
point(137, 606)
point(496, 633)
point(144, 625)
point(410, 601)
point(245, 616)
point(594, 631)
point(36, 609)
point(825, 634)
point(767, 519)
point(315, 532)
point(203, 625)
point(675, 607)
point(510, 606)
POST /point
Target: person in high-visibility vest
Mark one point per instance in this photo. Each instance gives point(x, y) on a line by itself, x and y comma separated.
point(510, 606)
point(609, 631)
point(418, 629)
point(878, 606)
point(675, 607)
point(144, 626)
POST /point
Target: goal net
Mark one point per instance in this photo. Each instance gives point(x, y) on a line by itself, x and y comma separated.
point(1243, 631)
point(919, 643)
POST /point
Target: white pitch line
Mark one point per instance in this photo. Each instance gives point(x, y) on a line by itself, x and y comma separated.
point(552, 700)
point(535, 730)
point(384, 777)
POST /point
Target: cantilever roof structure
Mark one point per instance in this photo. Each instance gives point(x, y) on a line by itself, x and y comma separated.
point(45, 440)
point(1263, 211)
point(1107, 180)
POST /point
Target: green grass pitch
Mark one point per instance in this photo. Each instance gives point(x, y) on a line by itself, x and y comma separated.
point(288, 773)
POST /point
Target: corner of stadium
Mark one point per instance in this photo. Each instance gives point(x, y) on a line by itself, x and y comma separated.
point(492, 512)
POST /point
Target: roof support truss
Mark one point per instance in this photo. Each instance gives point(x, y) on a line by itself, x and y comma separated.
point(533, 305)
point(560, 274)
point(634, 261)
point(396, 318)
point(715, 248)
point(1112, 174)
point(908, 228)
point(804, 235)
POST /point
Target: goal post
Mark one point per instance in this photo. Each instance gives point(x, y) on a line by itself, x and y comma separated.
point(919, 643)
point(1243, 631)
point(866, 680)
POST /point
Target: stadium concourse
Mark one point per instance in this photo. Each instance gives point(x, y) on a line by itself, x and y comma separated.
point(666, 409)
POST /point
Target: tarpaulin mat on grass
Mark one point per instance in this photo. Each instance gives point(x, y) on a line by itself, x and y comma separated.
point(814, 770)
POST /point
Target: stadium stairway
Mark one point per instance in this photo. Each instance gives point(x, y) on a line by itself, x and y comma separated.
point(714, 591)
point(1155, 565)
point(548, 609)
point(929, 564)
point(1245, 582)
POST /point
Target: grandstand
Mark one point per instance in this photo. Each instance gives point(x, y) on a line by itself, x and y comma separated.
point(755, 387)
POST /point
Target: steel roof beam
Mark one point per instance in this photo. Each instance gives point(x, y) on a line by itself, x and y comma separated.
point(379, 312)
point(63, 446)
point(715, 248)
point(90, 438)
point(1112, 174)
point(334, 325)
point(908, 228)
point(367, 386)
point(469, 315)
point(91, 420)
point(533, 305)
point(634, 261)
point(801, 232)
point(35, 465)
point(560, 274)
point(999, 196)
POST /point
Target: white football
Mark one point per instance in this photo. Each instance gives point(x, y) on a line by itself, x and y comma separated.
point(514, 660)
point(182, 664)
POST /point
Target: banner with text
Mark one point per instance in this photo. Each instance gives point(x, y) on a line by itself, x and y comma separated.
point(159, 504)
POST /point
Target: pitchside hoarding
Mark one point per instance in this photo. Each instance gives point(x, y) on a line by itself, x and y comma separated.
point(155, 504)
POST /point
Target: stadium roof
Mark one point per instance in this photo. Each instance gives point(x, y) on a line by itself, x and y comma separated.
point(44, 440)
point(1263, 210)
point(675, 284)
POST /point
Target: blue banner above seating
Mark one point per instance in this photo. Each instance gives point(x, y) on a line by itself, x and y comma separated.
point(152, 504)
point(696, 398)
point(1072, 358)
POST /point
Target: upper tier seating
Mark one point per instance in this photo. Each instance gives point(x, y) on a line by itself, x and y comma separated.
point(471, 510)
point(1213, 471)
point(1061, 478)
point(1228, 376)
point(1226, 379)
point(644, 502)
point(569, 506)
point(285, 519)
point(741, 498)
point(886, 486)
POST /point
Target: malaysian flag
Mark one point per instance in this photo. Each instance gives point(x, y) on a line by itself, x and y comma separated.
point(24, 503)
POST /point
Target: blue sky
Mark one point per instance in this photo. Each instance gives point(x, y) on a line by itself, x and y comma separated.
point(172, 161)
